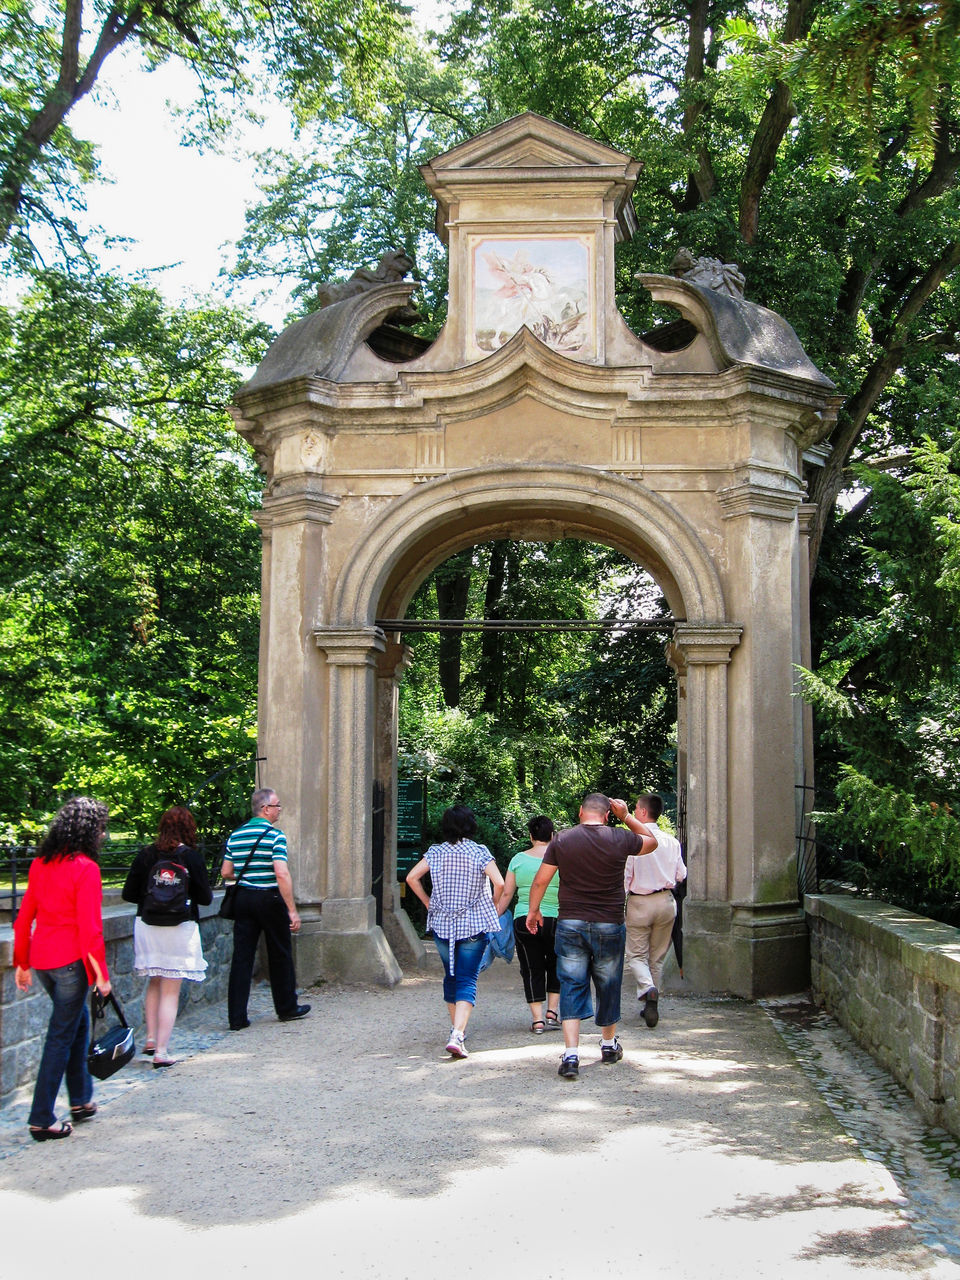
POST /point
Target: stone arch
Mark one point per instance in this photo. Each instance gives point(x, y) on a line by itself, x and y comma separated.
point(541, 423)
point(435, 519)
point(440, 517)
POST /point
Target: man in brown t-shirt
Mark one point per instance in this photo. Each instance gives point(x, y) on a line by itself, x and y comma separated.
point(590, 928)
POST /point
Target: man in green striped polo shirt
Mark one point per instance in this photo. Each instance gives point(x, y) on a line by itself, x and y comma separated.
point(257, 859)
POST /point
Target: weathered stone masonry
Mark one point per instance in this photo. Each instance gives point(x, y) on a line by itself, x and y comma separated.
point(893, 979)
point(24, 1018)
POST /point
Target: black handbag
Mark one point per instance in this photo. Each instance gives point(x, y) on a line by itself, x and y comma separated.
point(228, 903)
point(114, 1049)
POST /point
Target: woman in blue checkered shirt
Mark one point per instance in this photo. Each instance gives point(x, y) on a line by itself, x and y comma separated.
point(461, 910)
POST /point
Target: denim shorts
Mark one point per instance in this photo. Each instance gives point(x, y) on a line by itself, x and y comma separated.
point(589, 950)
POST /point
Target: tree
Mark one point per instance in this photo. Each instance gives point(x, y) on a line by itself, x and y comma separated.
point(886, 689)
point(352, 190)
point(130, 564)
point(538, 717)
point(53, 53)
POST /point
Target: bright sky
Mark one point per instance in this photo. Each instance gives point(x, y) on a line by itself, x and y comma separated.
point(182, 206)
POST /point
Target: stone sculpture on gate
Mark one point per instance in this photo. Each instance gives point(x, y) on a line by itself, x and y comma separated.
point(709, 273)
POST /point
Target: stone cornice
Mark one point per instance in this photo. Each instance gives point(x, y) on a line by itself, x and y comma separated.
point(350, 646)
point(295, 499)
point(806, 514)
point(395, 659)
point(708, 643)
point(817, 454)
point(418, 398)
point(761, 491)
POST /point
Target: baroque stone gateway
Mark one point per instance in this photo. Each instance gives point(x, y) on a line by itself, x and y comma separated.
point(538, 414)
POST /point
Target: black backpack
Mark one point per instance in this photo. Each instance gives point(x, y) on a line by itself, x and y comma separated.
point(167, 896)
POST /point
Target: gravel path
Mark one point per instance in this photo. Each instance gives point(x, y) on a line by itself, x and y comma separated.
point(350, 1144)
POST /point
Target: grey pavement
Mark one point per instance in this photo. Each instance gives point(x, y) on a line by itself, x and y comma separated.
point(734, 1140)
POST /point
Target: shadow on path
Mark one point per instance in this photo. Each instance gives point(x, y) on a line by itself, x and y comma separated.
point(706, 1129)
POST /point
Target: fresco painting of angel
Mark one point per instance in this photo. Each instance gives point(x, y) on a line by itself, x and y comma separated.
point(538, 283)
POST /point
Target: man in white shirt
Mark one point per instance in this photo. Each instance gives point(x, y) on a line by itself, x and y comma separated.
point(651, 906)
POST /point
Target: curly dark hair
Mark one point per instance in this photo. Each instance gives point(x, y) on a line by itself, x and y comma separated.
point(177, 827)
point(458, 823)
point(77, 828)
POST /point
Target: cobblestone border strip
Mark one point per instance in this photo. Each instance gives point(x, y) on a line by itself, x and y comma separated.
point(880, 1116)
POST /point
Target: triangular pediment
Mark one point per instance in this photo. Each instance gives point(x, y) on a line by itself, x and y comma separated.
point(529, 141)
point(535, 154)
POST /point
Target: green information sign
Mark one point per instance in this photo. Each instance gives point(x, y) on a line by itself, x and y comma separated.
point(411, 816)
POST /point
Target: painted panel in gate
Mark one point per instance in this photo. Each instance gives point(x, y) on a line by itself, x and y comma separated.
point(543, 283)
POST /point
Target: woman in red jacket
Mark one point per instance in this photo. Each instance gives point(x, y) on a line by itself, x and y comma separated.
point(62, 907)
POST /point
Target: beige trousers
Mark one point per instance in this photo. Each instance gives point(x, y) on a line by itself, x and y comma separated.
point(650, 920)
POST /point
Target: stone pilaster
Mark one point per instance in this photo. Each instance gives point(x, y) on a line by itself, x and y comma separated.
point(350, 944)
point(294, 524)
point(703, 652)
point(397, 926)
point(768, 946)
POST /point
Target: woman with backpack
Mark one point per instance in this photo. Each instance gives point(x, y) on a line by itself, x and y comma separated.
point(58, 935)
point(168, 881)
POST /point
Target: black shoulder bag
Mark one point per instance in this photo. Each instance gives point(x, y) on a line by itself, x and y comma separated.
point(228, 906)
point(114, 1049)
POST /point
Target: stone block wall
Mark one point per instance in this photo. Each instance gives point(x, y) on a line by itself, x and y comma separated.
point(893, 980)
point(23, 1018)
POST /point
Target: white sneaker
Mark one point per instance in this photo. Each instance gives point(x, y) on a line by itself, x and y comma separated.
point(455, 1046)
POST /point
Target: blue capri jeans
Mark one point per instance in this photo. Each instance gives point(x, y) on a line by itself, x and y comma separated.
point(468, 952)
point(585, 950)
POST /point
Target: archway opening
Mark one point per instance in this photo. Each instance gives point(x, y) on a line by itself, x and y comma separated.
point(556, 685)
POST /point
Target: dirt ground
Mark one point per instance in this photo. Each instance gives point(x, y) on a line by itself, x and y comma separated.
point(350, 1144)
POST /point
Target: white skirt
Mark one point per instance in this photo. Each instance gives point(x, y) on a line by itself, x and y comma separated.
point(168, 951)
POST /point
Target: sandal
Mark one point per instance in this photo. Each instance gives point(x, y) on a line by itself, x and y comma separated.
point(86, 1112)
point(149, 1050)
point(45, 1135)
point(553, 1020)
point(538, 1027)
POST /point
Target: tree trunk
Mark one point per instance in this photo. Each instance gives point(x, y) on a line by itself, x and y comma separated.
point(774, 122)
point(70, 87)
point(491, 652)
point(703, 180)
point(453, 592)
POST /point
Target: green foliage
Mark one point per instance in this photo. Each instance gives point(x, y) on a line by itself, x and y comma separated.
point(130, 565)
point(858, 56)
point(937, 484)
point(886, 689)
point(895, 848)
point(53, 52)
point(540, 718)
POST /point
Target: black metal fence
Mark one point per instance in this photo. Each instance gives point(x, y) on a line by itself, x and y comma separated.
point(115, 860)
point(808, 874)
point(378, 856)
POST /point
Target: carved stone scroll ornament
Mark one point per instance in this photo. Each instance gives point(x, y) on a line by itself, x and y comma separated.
point(392, 267)
point(709, 273)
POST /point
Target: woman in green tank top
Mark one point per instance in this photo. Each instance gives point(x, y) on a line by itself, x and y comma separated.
point(535, 951)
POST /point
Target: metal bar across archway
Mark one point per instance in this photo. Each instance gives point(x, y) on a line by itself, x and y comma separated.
point(654, 625)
